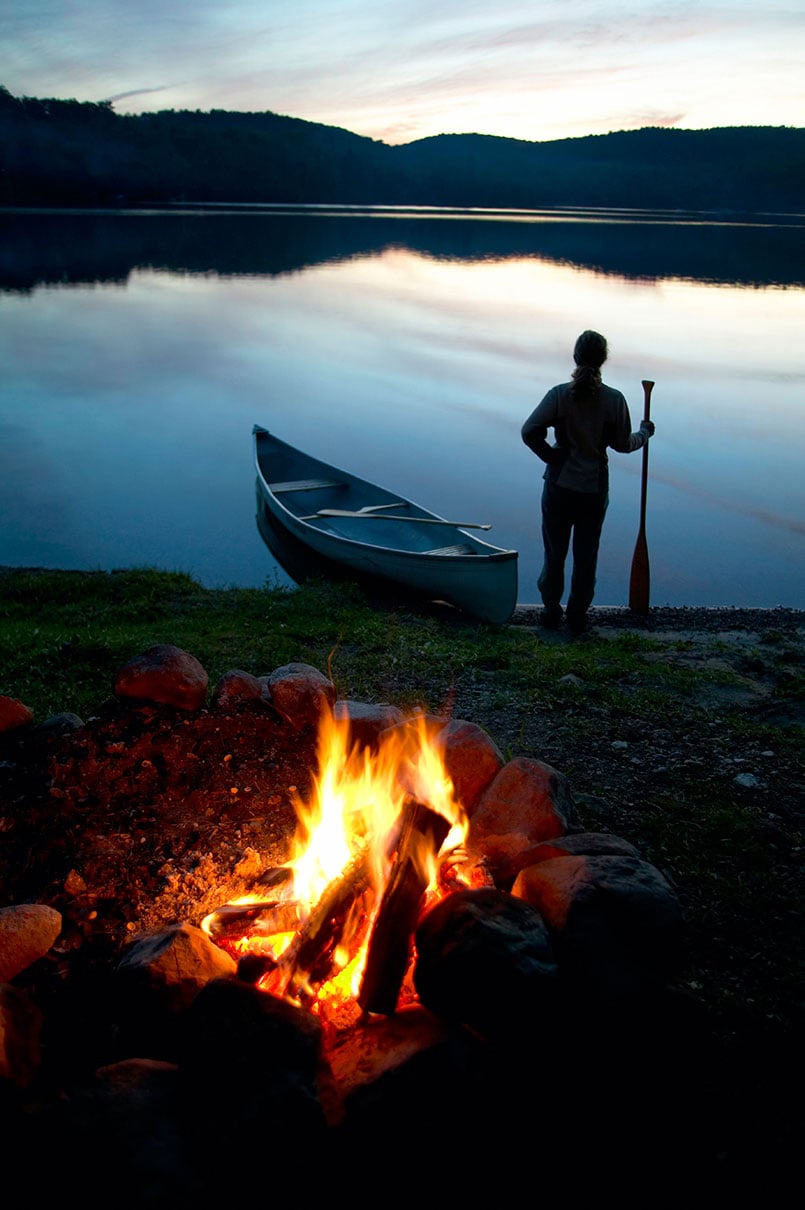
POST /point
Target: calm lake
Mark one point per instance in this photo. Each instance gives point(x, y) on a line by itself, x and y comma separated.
point(139, 348)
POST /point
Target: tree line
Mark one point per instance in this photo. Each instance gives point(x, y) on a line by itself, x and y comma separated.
point(77, 153)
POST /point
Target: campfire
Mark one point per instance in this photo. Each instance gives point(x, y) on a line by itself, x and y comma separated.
point(378, 843)
point(331, 919)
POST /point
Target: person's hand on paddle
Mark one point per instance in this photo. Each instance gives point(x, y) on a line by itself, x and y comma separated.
point(647, 428)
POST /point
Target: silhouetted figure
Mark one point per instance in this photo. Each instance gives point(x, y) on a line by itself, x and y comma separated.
point(587, 418)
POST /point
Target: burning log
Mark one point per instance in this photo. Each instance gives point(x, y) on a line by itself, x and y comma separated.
point(236, 920)
point(423, 832)
point(309, 953)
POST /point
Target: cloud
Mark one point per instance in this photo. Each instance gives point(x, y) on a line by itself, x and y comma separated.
point(413, 69)
point(138, 92)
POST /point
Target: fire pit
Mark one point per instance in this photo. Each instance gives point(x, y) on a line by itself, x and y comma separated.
point(422, 918)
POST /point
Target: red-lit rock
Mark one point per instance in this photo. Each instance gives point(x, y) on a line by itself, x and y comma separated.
point(13, 713)
point(164, 674)
point(237, 688)
point(300, 693)
point(525, 804)
point(27, 931)
point(472, 759)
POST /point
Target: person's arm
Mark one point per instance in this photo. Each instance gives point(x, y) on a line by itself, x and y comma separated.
point(535, 430)
point(622, 438)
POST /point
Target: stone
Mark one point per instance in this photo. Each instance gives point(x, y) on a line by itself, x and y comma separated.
point(251, 1063)
point(485, 960)
point(13, 713)
point(129, 1110)
point(300, 693)
point(166, 675)
point(159, 975)
point(616, 922)
point(237, 688)
point(60, 724)
point(366, 720)
point(175, 962)
point(525, 804)
point(21, 1022)
point(585, 844)
point(472, 760)
point(27, 932)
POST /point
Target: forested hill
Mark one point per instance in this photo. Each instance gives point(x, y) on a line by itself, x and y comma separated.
point(71, 153)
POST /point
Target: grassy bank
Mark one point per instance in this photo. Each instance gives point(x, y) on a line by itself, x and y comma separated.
point(687, 743)
point(65, 634)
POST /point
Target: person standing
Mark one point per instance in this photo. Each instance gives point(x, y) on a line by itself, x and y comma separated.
point(587, 418)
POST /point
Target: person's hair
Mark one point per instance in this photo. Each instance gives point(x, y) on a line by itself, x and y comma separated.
point(589, 354)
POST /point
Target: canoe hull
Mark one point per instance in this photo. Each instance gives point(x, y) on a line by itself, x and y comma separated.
point(419, 551)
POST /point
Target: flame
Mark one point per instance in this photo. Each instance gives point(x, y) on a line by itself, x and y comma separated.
point(358, 796)
point(347, 833)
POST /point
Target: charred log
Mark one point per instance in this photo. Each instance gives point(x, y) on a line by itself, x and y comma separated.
point(308, 958)
point(260, 919)
point(422, 833)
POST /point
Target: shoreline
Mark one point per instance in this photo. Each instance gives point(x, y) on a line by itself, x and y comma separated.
point(674, 618)
point(709, 618)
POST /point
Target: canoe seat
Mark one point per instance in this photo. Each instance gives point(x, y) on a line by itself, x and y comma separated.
point(304, 485)
point(461, 548)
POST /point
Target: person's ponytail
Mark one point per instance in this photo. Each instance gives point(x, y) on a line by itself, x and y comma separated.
point(586, 381)
point(589, 354)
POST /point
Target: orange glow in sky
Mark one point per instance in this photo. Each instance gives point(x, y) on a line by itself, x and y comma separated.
point(527, 69)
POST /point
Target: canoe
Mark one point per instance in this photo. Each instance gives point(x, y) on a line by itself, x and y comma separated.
point(366, 529)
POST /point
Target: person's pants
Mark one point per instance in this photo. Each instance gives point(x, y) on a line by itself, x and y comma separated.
point(582, 514)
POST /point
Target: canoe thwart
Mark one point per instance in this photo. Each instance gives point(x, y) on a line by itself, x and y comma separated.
point(344, 512)
point(304, 485)
point(460, 548)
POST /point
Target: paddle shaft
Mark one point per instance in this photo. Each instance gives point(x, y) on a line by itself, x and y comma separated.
point(343, 512)
point(640, 579)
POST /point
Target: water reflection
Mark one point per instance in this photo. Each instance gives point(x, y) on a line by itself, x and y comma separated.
point(140, 349)
point(109, 247)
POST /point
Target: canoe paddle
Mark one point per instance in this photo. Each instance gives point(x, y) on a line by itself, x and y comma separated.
point(640, 578)
point(343, 512)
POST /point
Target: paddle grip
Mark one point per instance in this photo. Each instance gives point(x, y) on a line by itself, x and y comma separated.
point(648, 387)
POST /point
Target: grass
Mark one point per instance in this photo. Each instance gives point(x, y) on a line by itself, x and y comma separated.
point(65, 634)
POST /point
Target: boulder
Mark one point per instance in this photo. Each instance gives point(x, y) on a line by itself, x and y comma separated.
point(164, 674)
point(301, 694)
point(584, 844)
point(367, 721)
point(615, 921)
point(21, 1022)
point(27, 931)
point(471, 759)
point(237, 688)
point(484, 959)
point(13, 713)
point(526, 803)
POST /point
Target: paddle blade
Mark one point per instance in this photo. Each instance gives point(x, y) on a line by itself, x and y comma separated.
point(640, 580)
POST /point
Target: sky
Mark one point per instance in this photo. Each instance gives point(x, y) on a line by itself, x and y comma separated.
point(526, 69)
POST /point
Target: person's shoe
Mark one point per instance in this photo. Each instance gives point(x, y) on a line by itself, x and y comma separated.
point(577, 623)
point(551, 619)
